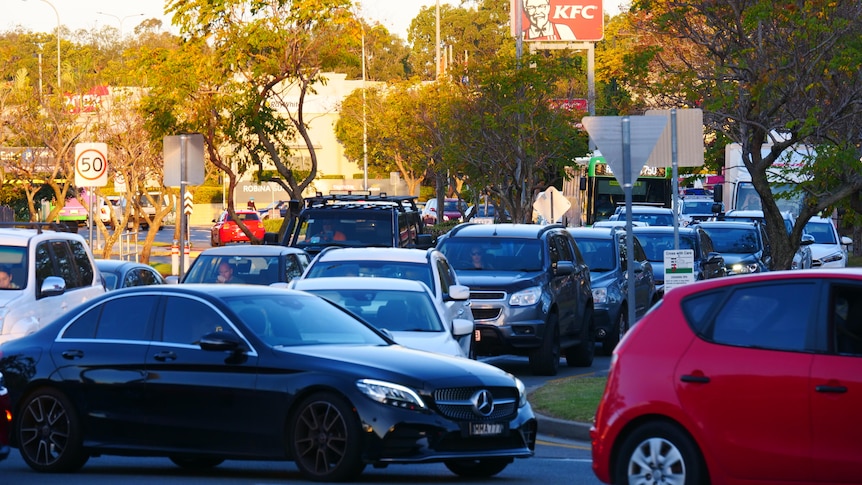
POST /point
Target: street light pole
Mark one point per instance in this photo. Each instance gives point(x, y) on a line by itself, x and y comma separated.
point(121, 20)
point(58, 40)
point(364, 119)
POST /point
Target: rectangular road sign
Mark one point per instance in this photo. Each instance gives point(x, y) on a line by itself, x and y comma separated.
point(678, 268)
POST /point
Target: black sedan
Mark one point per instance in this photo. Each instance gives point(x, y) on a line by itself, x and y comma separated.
point(124, 274)
point(204, 373)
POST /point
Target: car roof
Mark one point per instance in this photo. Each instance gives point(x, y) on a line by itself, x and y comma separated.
point(251, 250)
point(359, 283)
point(726, 224)
point(533, 231)
point(20, 236)
point(662, 229)
point(206, 291)
point(117, 264)
point(405, 255)
point(647, 209)
point(596, 232)
point(786, 275)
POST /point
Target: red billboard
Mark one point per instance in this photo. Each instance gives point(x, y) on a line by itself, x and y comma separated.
point(559, 20)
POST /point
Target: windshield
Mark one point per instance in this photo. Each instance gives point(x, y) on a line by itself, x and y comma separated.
point(386, 269)
point(822, 232)
point(655, 245)
point(296, 319)
point(257, 270)
point(697, 207)
point(331, 229)
point(598, 253)
point(13, 267)
point(733, 240)
point(397, 311)
point(493, 254)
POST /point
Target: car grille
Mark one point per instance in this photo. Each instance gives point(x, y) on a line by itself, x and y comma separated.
point(455, 403)
point(485, 313)
point(488, 295)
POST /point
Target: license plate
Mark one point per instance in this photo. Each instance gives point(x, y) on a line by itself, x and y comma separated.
point(486, 429)
point(477, 335)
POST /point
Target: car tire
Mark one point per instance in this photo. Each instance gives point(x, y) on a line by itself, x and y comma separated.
point(582, 355)
point(325, 439)
point(659, 449)
point(196, 463)
point(478, 468)
point(545, 360)
point(49, 433)
point(615, 333)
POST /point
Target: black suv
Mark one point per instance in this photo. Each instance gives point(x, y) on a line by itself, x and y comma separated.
point(605, 251)
point(529, 289)
point(351, 220)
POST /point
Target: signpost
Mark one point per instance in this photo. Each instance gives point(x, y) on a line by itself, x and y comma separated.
point(678, 268)
point(184, 165)
point(551, 204)
point(91, 170)
point(626, 143)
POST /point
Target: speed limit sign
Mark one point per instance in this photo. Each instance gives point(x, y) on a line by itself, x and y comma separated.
point(91, 164)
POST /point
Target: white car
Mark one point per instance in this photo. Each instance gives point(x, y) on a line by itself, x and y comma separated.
point(829, 250)
point(428, 266)
point(51, 272)
point(403, 309)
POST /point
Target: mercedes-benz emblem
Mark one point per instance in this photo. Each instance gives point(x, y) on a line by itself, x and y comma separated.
point(483, 402)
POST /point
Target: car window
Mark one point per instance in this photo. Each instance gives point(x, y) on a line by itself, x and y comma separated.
point(847, 319)
point(743, 240)
point(762, 316)
point(386, 269)
point(822, 232)
point(394, 310)
point(117, 319)
point(508, 254)
point(140, 277)
point(186, 320)
point(598, 254)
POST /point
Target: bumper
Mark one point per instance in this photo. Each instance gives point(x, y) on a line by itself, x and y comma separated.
point(427, 438)
point(511, 330)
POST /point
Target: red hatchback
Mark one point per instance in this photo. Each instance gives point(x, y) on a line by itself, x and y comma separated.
point(225, 230)
point(750, 379)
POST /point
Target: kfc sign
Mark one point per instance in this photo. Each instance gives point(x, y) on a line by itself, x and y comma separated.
point(559, 20)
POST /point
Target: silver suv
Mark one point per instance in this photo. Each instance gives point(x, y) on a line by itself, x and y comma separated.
point(44, 272)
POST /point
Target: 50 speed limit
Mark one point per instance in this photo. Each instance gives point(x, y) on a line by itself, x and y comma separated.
point(91, 164)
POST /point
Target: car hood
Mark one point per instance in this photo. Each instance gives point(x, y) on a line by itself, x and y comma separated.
point(733, 258)
point(509, 280)
point(818, 251)
point(401, 365)
point(603, 278)
point(439, 342)
point(7, 297)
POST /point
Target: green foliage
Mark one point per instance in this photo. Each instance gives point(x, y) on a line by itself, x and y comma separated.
point(208, 194)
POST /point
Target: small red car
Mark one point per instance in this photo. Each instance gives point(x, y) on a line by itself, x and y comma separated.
point(225, 230)
point(750, 379)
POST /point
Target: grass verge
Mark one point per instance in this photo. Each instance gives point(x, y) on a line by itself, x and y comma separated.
point(572, 398)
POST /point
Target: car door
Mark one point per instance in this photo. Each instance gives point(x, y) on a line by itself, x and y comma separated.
point(100, 358)
point(836, 388)
point(564, 283)
point(744, 383)
point(644, 277)
point(199, 399)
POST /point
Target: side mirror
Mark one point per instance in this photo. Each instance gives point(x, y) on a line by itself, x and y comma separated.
point(459, 293)
point(806, 240)
point(461, 327)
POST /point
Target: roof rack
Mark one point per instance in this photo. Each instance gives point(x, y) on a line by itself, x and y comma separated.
point(39, 226)
point(352, 200)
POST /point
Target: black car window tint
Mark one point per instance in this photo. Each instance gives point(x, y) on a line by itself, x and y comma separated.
point(44, 263)
point(773, 317)
point(83, 265)
point(847, 320)
point(127, 318)
point(85, 325)
point(186, 321)
point(65, 264)
point(699, 311)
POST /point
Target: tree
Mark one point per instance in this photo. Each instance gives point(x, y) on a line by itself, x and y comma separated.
point(266, 56)
point(506, 137)
point(785, 73)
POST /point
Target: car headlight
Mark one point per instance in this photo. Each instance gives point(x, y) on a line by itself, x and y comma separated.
point(527, 297)
point(391, 394)
point(744, 268)
point(522, 392)
point(600, 295)
point(831, 258)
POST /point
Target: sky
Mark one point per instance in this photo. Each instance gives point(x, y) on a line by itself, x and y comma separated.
point(38, 16)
